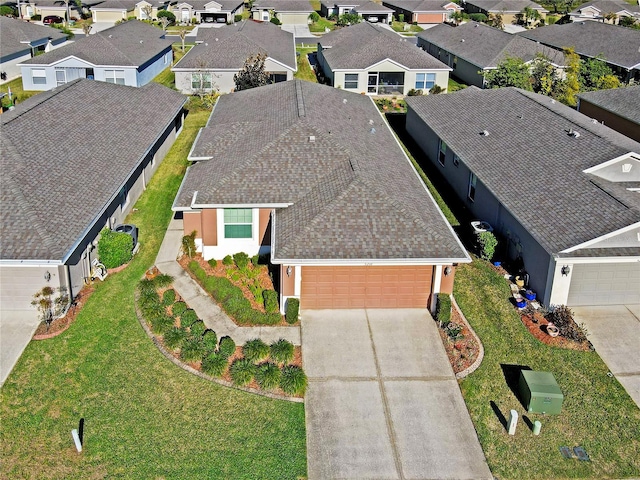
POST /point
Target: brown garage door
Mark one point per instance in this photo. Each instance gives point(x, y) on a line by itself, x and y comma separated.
point(370, 287)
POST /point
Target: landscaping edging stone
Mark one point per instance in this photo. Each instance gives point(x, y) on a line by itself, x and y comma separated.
point(474, 366)
point(198, 373)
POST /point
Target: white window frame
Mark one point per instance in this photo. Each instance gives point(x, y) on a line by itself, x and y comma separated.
point(442, 152)
point(350, 82)
point(201, 79)
point(41, 76)
point(64, 74)
point(425, 81)
point(112, 76)
point(229, 223)
point(473, 181)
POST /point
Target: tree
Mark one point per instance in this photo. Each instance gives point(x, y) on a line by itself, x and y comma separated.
point(511, 72)
point(167, 14)
point(629, 22)
point(571, 86)
point(545, 78)
point(611, 17)
point(348, 19)
point(252, 74)
point(595, 74)
point(86, 28)
point(148, 12)
point(530, 15)
point(164, 21)
point(49, 305)
point(457, 17)
point(183, 33)
point(495, 20)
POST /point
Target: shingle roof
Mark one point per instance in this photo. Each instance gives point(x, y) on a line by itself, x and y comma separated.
point(371, 7)
point(506, 6)
point(419, 5)
point(624, 102)
point(606, 6)
point(618, 45)
point(231, 45)
point(332, 157)
point(294, 6)
point(227, 5)
point(485, 46)
point(363, 45)
point(131, 43)
point(15, 35)
point(60, 176)
point(531, 164)
point(127, 5)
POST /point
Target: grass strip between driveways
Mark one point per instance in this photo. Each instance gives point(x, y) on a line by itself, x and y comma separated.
point(305, 72)
point(144, 416)
point(597, 413)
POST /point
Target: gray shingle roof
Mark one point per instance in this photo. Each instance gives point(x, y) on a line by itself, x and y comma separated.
point(624, 102)
point(618, 45)
point(365, 7)
point(506, 6)
point(57, 179)
point(606, 6)
point(531, 164)
point(419, 5)
point(131, 43)
point(231, 45)
point(15, 35)
point(227, 5)
point(283, 6)
point(485, 46)
point(353, 193)
point(127, 5)
point(362, 45)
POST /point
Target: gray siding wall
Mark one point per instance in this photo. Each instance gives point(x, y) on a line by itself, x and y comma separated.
point(151, 69)
point(464, 70)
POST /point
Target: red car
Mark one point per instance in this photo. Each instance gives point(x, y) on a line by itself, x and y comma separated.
point(50, 19)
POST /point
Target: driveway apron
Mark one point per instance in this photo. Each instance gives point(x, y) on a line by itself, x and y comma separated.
point(382, 400)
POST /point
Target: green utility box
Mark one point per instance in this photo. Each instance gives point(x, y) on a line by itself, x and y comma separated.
point(540, 392)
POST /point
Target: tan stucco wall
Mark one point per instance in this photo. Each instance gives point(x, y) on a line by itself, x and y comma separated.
point(209, 227)
point(263, 222)
point(446, 281)
point(287, 283)
point(192, 221)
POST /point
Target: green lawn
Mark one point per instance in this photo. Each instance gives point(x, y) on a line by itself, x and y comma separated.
point(144, 417)
point(16, 90)
point(400, 27)
point(597, 413)
point(320, 25)
point(455, 85)
point(305, 72)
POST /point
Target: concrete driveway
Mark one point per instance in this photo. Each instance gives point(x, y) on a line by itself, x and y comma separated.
point(382, 400)
point(16, 330)
point(614, 331)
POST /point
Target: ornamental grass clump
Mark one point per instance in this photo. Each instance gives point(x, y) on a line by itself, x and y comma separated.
point(168, 297)
point(255, 350)
point(188, 318)
point(214, 364)
point(197, 328)
point(192, 349)
point(282, 351)
point(270, 300)
point(174, 337)
point(178, 308)
point(161, 324)
point(268, 375)
point(227, 347)
point(210, 341)
point(293, 380)
point(242, 371)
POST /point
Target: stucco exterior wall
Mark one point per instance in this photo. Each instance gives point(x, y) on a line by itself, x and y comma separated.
point(463, 70)
point(293, 18)
point(442, 77)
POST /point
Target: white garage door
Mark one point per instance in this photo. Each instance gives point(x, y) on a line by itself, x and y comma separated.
point(605, 284)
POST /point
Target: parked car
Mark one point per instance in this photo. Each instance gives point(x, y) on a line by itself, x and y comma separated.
point(51, 19)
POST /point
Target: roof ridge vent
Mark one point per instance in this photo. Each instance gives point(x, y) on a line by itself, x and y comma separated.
point(300, 99)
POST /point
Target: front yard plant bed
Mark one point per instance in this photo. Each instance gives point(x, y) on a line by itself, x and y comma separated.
point(597, 413)
point(254, 367)
point(241, 293)
point(459, 342)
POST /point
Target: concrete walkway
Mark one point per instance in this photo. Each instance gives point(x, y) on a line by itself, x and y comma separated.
point(614, 331)
point(382, 400)
point(207, 310)
point(16, 329)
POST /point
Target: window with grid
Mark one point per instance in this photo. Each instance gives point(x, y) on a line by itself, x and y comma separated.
point(201, 81)
point(425, 81)
point(350, 80)
point(39, 76)
point(238, 223)
point(114, 76)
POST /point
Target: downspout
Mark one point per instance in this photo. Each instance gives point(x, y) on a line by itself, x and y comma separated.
point(67, 275)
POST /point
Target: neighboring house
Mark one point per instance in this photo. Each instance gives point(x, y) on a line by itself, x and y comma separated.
point(207, 11)
point(559, 188)
point(97, 147)
point(601, 10)
point(373, 59)
point(289, 12)
point(618, 108)
point(112, 11)
point(45, 8)
point(20, 41)
point(369, 11)
point(222, 52)
point(423, 11)
point(617, 45)
point(131, 53)
point(148, 9)
point(316, 179)
point(509, 9)
point(473, 49)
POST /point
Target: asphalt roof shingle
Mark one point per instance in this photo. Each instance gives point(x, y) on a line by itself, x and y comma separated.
point(363, 45)
point(508, 6)
point(283, 6)
point(531, 163)
point(420, 5)
point(329, 154)
point(624, 102)
point(57, 179)
point(15, 35)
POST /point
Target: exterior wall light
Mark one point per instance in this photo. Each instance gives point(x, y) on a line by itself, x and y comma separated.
point(447, 271)
point(566, 270)
point(47, 276)
point(289, 270)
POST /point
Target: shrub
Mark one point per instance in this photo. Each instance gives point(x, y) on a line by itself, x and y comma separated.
point(562, 317)
point(293, 308)
point(275, 21)
point(162, 281)
point(314, 17)
point(401, 17)
point(168, 297)
point(197, 270)
point(453, 330)
point(165, 13)
point(293, 380)
point(188, 318)
point(237, 18)
point(189, 244)
point(213, 263)
point(487, 242)
point(348, 19)
point(227, 347)
point(36, 18)
point(197, 328)
point(414, 93)
point(257, 292)
point(282, 351)
point(114, 248)
point(174, 337)
point(270, 301)
point(210, 340)
point(443, 309)
point(228, 260)
point(268, 376)
point(241, 260)
point(178, 308)
point(214, 365)
point(192, 349)
point(242, 371)
point(7, 11)
point(478, 17)
point(161, 324)
point(255, 260)
point(255, 350)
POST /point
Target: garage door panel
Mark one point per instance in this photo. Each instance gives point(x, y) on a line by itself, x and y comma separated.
point(604, 284)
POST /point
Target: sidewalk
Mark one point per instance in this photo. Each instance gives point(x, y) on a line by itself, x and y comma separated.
point(207, 310)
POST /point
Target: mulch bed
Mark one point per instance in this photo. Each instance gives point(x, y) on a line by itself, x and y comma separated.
point(59, 325)
point(463, 351)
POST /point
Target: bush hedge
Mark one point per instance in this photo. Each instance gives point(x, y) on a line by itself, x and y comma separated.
point(268, 375)
point(241, 260)
point(282, 351)
point(227, 347)
point(210, 340)
point(293, 309)
point(198, 328)
point(114, 248)
point(168, 297)
point(478, 17)
point(242, 371)
point(255, 350)
point(214, 365)
point(174, 337)
point(168, 14)
point(179, 308)
point(293, 380)
point(228, 260)
point(443, 309)
point(270, 300)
